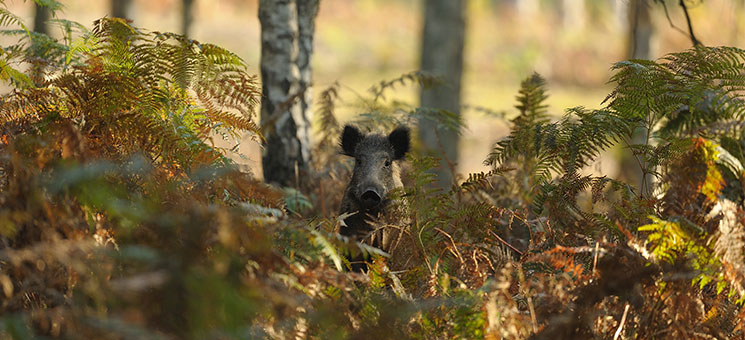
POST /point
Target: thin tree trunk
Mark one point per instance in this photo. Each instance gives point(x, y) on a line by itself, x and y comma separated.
point(640, 30)
point(187, 17)
point(41, 16)
point(443, 38)
point(640, 35)
point(121, 8)
point(286, 47)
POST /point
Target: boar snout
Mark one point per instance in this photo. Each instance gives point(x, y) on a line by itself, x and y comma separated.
point(370, 198)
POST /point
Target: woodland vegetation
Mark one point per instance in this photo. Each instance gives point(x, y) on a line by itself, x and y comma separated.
point(121, 219)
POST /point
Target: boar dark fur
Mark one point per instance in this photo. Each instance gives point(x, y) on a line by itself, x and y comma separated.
point(366, 201)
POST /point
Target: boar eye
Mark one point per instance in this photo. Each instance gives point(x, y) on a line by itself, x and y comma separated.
point(387, 163)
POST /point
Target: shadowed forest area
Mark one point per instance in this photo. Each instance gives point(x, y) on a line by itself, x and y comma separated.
point(361, 169)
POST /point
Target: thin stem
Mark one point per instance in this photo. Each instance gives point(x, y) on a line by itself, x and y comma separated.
point(645, 170)
point(690, 26)
point(670, 20)
point(623, 322)
point(506, 243)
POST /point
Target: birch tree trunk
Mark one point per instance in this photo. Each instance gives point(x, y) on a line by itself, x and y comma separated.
point(307, 11)
point(286, 48)
point(443, 38)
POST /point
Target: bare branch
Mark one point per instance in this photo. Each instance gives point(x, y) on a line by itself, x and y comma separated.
point(690, 33)
point(690, 27)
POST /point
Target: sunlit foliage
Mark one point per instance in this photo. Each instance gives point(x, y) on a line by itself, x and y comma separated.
point(119, 218)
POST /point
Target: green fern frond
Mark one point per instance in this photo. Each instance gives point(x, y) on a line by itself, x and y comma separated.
point(7, 18)
point(564, 146)
point(424, 80)
point(445, 119)
point(531, 100)
point(51, 5)
point(481, 180)
point(683, 91)
point(15, 77)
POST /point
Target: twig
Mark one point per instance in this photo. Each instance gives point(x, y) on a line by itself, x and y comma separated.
point(695, 41)
point(669, 20)
point(595, 258)
point(457, 253)
point(690, 27)
point(638, 162)
point(623, 321)
point(505, 243)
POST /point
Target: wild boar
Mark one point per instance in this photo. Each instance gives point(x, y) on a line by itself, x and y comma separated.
point(376, 174)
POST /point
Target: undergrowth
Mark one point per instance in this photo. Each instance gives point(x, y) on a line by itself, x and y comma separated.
point(120, 218)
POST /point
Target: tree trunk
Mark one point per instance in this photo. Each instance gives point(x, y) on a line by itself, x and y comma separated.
point(307, 11)
point(41, 16)
point(443, 38)
point(640, 30)
point(121, 8)
point(639, 47)
point(286, 48)
point(187, 17)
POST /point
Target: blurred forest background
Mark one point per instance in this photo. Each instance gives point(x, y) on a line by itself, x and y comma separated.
point(571, 43)
point(604, 150)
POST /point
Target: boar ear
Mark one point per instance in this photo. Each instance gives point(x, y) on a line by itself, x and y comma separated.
point(349, 139)
point(400, 140)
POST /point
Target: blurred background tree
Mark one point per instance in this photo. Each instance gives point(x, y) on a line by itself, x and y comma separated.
point(443, 38)
point(187, 17)
point(121, 8)
point(114, 145)
point(41, 16)
point(641, 29)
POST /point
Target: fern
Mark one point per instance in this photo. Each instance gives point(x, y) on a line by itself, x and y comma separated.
point(125, 87)
point(423, 79)
point(329, 126)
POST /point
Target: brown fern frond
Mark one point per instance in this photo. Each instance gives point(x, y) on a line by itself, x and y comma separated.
point(329, 126)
